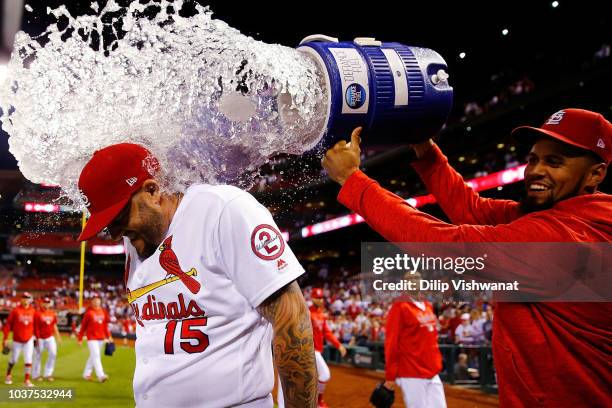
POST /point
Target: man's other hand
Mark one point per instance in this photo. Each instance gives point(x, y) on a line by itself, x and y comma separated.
point(421, 148)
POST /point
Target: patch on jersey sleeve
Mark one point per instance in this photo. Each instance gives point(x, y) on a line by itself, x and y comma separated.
point(267, 243)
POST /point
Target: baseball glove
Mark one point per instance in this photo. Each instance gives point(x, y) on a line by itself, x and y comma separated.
point(109, 348)
point(382, 397)
point(6, 350)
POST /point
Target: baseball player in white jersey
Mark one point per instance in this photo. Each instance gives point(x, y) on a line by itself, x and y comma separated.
point(212, 286)
point(45, 328)
point(21, 322)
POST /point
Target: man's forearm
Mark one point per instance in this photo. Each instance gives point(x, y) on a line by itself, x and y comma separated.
point(459, 201)
point(293, 346)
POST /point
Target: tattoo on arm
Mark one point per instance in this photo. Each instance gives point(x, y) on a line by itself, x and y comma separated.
point(293, 345)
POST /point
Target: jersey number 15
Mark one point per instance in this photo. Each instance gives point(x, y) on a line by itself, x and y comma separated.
point(187, 333)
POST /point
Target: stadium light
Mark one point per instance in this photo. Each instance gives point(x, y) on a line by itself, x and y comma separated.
point(107, 249)
point(41, 207)
point(462, 55)
point(555, 4)
point(505, 31)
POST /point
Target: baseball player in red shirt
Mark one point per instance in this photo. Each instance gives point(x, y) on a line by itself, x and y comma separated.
point(320, 331)
point(95, 327)
point(127, 327)
point(412, 356)
point(21, 323)
point(45, 328)
point(547, 354)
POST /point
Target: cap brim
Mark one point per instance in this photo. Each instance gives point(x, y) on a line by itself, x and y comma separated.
point(529, 135)
point(99, 220)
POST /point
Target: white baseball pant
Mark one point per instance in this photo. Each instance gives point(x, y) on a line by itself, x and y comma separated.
point(323, 375)
point(422, 392)
point(27, 348)
point(94, 362)
point(50, 345)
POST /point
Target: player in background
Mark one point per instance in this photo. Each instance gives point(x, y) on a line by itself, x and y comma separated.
point(45, 329)
point(412, 355)
point(21, 323)
point(127, 328)
point(95, 327)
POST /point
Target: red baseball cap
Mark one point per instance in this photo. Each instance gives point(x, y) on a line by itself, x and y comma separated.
point(577, 127)
point(317, 293)
point(109, 180)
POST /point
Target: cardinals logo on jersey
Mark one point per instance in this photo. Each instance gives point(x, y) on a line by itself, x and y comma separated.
point(169, 262)
point(25, 319)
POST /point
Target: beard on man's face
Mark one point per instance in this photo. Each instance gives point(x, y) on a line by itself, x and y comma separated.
point(152, 231)
point(528, 204)
point(147, 251)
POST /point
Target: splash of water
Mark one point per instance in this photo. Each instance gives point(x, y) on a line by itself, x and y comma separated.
point(209, 102)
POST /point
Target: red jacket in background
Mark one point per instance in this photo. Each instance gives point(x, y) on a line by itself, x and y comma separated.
point(95, 325)
point(44, 322)
point(411, 342)
point(547, 354)
point(353, 310)
point(21, 322)
point(320, 329)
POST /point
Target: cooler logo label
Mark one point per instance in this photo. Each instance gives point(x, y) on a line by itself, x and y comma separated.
point(353, 73)
point(355, 96)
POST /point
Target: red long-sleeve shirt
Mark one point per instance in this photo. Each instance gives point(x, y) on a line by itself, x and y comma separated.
point(44, 323)
point(21, 322)
point(549, 354)
point(321, 330)
point(95, 325)
point(411, 342)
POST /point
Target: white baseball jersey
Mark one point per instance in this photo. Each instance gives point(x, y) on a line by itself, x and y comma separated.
point(200, 340)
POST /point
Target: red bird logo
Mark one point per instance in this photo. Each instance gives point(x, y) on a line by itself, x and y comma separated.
point(169, 261)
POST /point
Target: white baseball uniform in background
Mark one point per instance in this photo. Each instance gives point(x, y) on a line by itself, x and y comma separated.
point(200, 340)
point(50, 345)
point(94, 362)
point(27, 348)
point(422, 392)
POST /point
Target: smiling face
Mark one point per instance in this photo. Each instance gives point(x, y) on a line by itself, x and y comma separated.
point(556, 171)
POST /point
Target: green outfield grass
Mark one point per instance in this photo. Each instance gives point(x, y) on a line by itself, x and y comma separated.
point(116, 392)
